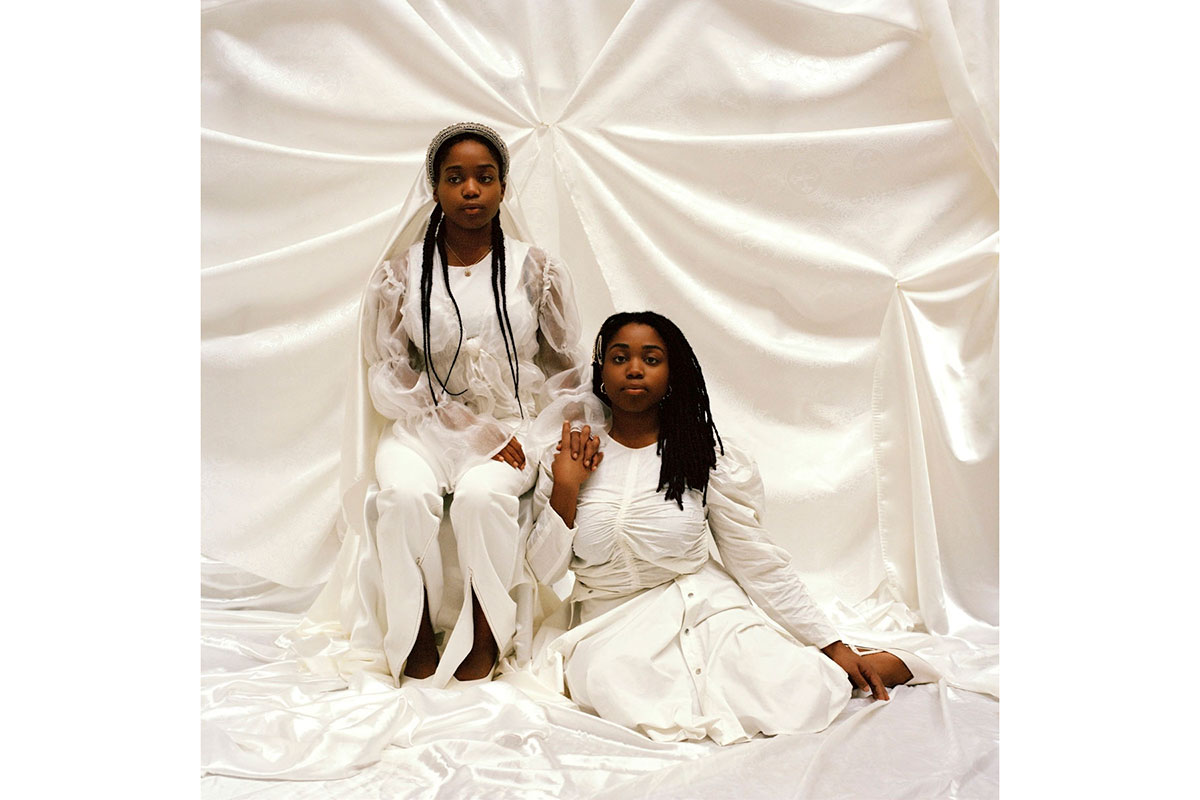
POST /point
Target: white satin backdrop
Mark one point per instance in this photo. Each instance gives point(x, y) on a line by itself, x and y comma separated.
point(807, 188)
point(804, 187)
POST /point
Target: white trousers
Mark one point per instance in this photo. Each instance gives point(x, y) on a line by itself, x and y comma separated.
point(483, 513)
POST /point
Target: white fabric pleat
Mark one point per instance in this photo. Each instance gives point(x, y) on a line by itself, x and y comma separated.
point(775, 176)
point(807, 188)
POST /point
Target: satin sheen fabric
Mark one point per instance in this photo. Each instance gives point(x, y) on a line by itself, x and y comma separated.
point(264, 719)
point(807, 188)
point(660, 638)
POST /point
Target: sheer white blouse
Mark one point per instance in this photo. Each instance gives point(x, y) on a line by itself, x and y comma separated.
point(477, 412)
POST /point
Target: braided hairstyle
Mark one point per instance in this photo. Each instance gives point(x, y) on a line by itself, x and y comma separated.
point(435, 238)
point(687, 436)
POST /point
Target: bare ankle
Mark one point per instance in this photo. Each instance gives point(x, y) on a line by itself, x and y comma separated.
point(479, 663)
point(422, 661)
point(419, 670)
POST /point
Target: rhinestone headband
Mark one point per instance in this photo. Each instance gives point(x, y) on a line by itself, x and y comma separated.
point(477, 128)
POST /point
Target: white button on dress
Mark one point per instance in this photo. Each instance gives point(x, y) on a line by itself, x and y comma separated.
point(666, 640)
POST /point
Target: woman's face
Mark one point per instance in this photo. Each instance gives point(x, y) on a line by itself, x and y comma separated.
point(635, 372)
point(469, 188)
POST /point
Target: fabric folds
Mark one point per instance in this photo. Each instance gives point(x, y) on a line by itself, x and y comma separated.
point(657, 635)
point(808, 188)
point(787, 172)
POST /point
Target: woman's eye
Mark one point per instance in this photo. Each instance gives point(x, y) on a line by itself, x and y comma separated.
point(619, 359)
point(486, 179)
point(453, 179)
point(651, 360)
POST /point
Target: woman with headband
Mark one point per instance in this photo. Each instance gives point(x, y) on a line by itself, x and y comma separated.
point(465, 335)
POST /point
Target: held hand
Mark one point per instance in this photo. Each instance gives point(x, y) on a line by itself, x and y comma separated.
point(586, 446)
point(591, 452)
point(861, 673)
point(512, 454)
point(569, 467)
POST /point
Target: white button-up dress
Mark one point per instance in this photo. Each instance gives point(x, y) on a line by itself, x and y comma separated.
point(659, 636)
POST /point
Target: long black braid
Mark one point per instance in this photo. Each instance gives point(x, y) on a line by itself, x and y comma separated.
point(687, 436)
point(500, 295)
point(435, 238)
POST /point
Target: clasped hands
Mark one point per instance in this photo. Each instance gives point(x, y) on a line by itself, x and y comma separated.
point(579, 446)
point(577, 455)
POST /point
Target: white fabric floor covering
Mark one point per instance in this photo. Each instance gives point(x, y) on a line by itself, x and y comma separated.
point(262, 714)
point(809, 188)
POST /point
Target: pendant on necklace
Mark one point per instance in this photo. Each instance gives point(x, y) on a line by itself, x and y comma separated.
point(467, 273)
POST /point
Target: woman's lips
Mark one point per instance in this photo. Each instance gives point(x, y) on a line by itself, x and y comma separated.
point(634, 389)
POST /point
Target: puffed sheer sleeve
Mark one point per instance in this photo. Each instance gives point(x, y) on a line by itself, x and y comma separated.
point(762, 568)
point(396, 387)
point(548, 549)
point(397, 384)
point(558, 318)
point(567, 391)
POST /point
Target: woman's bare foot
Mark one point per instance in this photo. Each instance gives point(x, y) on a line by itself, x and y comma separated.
point(422, 660)
point(420, 664)
point(480, 662)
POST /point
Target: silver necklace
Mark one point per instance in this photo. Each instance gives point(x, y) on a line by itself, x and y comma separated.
point(454, 253)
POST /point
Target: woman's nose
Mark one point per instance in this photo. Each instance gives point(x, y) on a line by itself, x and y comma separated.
point(470, 188)
point(633, 370)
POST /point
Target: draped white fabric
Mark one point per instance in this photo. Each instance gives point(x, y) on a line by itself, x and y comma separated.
point(494, 741)
point(808, 188)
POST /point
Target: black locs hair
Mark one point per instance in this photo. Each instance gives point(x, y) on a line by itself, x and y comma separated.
point(687, 436)
point(435, 237)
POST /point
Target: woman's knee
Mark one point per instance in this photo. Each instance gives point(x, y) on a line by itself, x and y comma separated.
point(408, 498)
point(477, 497)
point(409, 511)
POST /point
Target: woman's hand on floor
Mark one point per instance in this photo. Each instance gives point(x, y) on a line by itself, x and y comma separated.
point(861, 673)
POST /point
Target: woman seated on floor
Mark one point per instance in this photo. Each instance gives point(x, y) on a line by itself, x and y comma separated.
point(661, 637)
